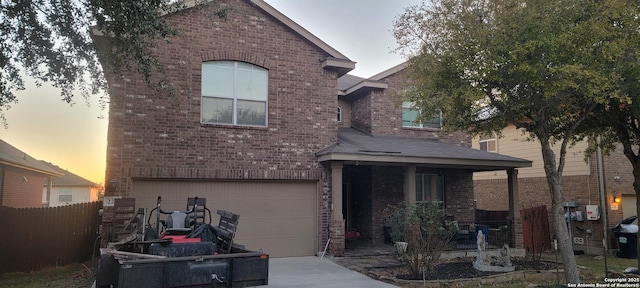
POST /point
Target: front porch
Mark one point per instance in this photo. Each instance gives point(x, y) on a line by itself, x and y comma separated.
point(369, 173)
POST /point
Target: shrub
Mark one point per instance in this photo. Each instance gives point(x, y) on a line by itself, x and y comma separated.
point(423, 227)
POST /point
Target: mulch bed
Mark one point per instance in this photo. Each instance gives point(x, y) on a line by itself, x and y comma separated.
point(459, 268)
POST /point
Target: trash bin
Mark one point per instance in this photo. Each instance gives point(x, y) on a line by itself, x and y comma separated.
point(627, 236)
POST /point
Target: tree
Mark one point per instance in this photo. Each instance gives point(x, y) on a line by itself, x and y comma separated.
point(618, 119)
point(542, 66)
point(50, 41)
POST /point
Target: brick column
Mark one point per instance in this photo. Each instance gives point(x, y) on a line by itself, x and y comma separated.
point(336, 232)
point(336, 190)
point(336, 227)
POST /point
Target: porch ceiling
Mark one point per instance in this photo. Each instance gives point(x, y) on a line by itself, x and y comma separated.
point(354, 146)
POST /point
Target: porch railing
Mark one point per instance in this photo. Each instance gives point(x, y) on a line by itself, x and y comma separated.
point(496, 233)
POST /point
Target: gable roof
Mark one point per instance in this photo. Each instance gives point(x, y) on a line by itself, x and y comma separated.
point(68, 178)
point(12, 156)
point(336, 60)
point(349, 84)
point(356, 146)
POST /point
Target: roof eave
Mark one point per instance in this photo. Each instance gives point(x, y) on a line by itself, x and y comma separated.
point(389, 72)
point(366, 84)
point(300, 30)
point(20, 166)
point(469, 164)
point(338, 61)
point(342, 66)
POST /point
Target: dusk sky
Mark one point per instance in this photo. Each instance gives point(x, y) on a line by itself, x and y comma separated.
point(75, 137)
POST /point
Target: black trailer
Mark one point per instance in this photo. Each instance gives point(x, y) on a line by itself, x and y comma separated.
point(236, 269)
point(179, 258)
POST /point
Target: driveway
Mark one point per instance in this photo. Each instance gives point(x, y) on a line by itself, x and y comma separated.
point(315, 272)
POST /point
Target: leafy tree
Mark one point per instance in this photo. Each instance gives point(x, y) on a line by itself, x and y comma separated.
point(618, 120)
point(50, 41)
point(542, 66)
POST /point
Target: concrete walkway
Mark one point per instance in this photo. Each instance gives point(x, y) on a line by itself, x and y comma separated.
point(315, 272)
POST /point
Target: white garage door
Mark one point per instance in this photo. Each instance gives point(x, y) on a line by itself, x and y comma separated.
point(278, 218)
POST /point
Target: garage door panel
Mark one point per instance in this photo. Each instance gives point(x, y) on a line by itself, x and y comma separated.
point(276, 217)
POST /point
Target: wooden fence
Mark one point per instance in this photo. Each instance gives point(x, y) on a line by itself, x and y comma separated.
point(536, 236)
point(34, 238)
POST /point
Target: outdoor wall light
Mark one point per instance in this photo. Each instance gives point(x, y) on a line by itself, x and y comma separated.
point(616, 199)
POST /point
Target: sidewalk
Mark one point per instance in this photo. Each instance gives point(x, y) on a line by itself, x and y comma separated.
point(312, 272)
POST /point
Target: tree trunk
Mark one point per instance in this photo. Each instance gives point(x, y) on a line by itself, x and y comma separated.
point(554, 179)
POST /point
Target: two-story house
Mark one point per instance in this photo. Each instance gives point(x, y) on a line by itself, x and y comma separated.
point(267, 123)
point(580, 185)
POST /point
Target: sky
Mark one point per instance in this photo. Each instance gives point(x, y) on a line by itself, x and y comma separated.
point(74, 137)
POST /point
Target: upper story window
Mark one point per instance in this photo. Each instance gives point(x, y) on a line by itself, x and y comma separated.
point(410, 117)
point(488, 143)
point(234, 93)
point(429, 187)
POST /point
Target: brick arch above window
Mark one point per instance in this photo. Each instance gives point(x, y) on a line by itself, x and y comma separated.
point(236, 56)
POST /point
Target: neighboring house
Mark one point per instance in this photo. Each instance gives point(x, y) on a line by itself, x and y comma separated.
point(579, 184)
point(266, 123)
point(68, 189)
point(21, 178)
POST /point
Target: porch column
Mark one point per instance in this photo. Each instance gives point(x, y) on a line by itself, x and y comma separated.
point(336, 190)
point(514, 207)
point(410, 184)
point(336, 226)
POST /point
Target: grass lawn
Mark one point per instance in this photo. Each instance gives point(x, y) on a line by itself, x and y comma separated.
point(591, 269)
point(71, 276)
point(80, 276)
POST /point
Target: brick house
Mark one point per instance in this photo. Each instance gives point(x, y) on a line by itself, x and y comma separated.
point(580, 185)
point(21, 178)
point(267, 123)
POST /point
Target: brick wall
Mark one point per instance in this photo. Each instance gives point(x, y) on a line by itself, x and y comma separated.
point(459, 195)
point(493, 195)
point(361, 112)
point(387, 188)
point(17, 192)
point(617, 165)
point(154, 135)
point(379, 112)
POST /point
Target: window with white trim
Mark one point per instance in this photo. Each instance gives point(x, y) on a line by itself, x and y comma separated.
point(234, 93)
point(489, 143)
point(65, 195)
point(430, 187)
point(410, 115)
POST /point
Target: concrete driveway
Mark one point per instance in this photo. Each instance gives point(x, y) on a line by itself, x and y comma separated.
point(315, 272)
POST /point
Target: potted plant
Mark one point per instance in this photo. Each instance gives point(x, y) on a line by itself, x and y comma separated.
point(395, 224)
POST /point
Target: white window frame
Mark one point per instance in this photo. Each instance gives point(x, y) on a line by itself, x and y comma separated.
point(486, 141)
point(235, 97)
point(65, 191)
